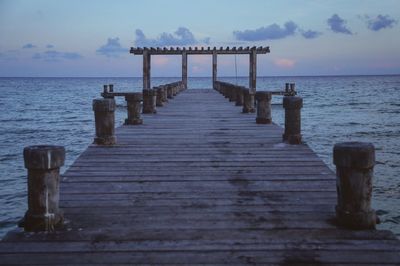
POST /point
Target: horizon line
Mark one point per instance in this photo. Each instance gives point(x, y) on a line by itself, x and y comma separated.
point(276, 76)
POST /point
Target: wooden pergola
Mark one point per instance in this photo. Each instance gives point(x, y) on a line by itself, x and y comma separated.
point(147, 52)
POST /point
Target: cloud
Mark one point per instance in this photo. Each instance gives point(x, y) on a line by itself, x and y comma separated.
point(181, 37)
point(49, 46)
point(271, 32)
point(28, 46)
point(338, 25)
point(10, 55)
point(53, 56)
point(284, 63)
point(380, 22)
point(112, 48)
point(310, 34)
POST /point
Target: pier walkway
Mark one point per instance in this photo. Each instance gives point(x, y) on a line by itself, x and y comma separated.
point(199, 182)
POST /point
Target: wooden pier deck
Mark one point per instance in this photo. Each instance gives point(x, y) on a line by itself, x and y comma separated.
point(199, 183)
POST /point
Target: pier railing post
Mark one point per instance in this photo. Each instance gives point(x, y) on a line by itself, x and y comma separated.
point(263, 107)
point(169, 92)
point(248, 101)
point(133, 101)
point(165, 94)
point(43, 163)
point(160, 96)
point(292, 105)
point(104, 114)
point(149, 101)
point(239, 95)
point(354, 172)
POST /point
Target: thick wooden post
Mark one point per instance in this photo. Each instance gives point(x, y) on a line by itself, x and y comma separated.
point(133, 101)
point(184, 70)
point(214, 67)
point(146, 69)
point(263, 107)
point(239, 95)
point(160, 96)
point(354, 172)
point(248, 101)
point(292, 105)
point(43, 163)
point(149, 101)
point(105, 120)
point(253, 70)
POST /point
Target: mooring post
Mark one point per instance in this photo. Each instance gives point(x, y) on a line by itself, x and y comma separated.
point(43, 163)
point(263, 107)
point(354, 173)
point(287, 87)
point(160, 96)
point(169, 92)
point(105, 88)
point(149, 102)
point(165, 94)
point(248, 101)
point(111, 87)
point(133, 101)
point(292, 105)
point(239, 95)
point(104, 115)
point(232, 93)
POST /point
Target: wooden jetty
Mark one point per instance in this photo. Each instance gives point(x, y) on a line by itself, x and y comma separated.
point(199, 183)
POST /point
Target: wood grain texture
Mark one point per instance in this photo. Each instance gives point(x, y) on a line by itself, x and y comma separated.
point(199, 182)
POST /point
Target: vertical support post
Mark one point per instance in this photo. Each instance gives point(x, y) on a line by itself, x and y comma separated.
point(248, 101)
point(149, 101)
point(146, 69)
point(263, 107)
point(184, 70)
point(253, 70)
point(292, 106)
point(105, 120)
point(133, 107)
point(239, 95)
point(214, 67)
point(354, 173)
point(160, 96)
point(43, 163)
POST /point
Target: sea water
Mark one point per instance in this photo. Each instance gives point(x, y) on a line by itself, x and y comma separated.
point(336, 108)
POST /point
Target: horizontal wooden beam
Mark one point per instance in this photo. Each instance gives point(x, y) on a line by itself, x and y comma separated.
point(198, 50)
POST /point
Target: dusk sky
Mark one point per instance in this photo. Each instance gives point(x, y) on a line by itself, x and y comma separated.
point(92, 38)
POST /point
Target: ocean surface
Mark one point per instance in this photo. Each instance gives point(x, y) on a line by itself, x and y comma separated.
point(336, 108)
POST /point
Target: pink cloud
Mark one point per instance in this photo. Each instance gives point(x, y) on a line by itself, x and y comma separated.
point(284, 63)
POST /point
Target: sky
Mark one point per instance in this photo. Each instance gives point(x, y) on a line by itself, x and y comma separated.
point(75, 38)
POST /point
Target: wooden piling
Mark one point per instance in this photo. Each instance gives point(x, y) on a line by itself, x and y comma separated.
point(160, 96)
point(292, 105)
point(149, 102)
point(43, 163)
point(105, 121)
point(239, 95)
point(248, 101)
point(133, 101)
point(263, 107)
point(354, 173)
